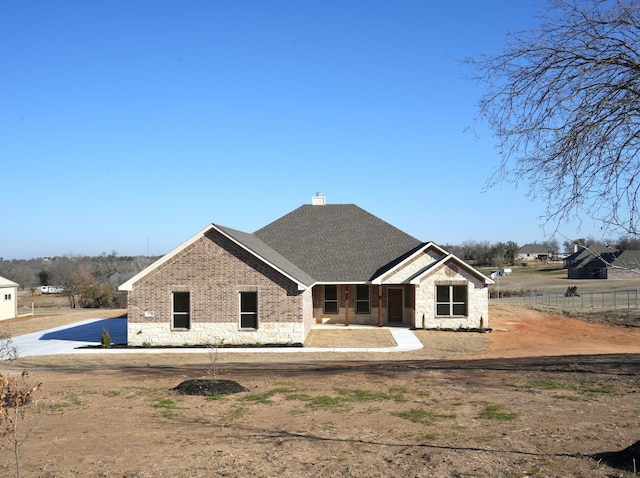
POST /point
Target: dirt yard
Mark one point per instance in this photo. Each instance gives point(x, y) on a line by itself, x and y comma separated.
point(542, 395)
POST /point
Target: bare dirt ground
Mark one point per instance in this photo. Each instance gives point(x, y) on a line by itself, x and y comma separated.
point(541, 395)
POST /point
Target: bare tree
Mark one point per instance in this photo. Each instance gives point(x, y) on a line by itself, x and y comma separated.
point(64, 273)
point(563, 100)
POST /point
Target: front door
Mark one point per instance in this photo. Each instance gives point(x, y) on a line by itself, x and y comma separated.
point(394, 305)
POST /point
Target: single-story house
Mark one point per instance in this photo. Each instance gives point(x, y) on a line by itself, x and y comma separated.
point(533, 252)
point(321, 263)
point(8, 299)
point(602, 262)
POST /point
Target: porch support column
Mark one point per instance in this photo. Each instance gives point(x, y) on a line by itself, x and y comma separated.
point(379, 306)
point(346, 306)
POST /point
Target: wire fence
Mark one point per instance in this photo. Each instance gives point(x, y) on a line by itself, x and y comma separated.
point(619, 299)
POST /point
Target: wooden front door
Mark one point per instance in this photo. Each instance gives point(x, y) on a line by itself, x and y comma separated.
point(394, 305)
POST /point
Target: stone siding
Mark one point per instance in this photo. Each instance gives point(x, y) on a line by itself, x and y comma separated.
point(423, 312)
point(477, 301)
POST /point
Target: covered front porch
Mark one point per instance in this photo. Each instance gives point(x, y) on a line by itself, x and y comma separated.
point(364, 304)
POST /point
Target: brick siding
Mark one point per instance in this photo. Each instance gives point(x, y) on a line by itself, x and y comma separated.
point(214, 270)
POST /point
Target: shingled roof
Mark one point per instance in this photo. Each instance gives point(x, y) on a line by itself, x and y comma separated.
point(317, 243)
point(255, 245)
point(337, 242)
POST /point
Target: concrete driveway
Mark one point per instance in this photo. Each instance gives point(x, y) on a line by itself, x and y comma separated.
point(71, 339)
point(67, 338)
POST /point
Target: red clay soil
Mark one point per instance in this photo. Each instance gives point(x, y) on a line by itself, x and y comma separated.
point(522, 332)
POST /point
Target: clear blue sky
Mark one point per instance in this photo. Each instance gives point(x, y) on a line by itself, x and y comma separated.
point(129, 126)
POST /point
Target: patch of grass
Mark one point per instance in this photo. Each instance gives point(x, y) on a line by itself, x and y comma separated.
point(320, 401)
point(546, 385)
point(74, 399)
point(266, 396)
point(112, 393)
point(164, 403)
point(485, 439)
point(358, 395)
point(554, 385)
point(211, 397)
point(399, 389)
point(69, 399)
point(595, 390)
point(233, 414)
point(494, 412)
point(420, 415)
point(329, 426)
point(166, 406)
point(573, 398)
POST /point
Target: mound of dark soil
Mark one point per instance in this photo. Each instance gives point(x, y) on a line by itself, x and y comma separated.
point(627, 459)
point(209, 387)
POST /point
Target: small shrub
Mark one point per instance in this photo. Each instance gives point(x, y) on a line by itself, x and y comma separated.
point(105, 339)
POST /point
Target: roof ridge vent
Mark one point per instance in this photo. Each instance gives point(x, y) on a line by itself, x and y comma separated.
point(318, 200)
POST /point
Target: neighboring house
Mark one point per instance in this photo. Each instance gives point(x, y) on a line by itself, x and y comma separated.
point(592, 262)
point(8, 299)
point(626, 265)
point(320, 263)
point(533, 252)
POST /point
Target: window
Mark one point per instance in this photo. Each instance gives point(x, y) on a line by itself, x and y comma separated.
point(451, 300)
point(7, 297)
point(362, 299)
point(331, 299)
point(181, 310)
point(248, 310)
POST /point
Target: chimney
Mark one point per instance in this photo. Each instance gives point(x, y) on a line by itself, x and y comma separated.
point(318, 200)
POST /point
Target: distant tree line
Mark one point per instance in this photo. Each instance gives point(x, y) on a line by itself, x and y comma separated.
point(499, 254)
point(87, 281)
point(92, 281)
point(486, 254)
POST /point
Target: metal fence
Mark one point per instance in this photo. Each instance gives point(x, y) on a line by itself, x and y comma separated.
point(619, 299)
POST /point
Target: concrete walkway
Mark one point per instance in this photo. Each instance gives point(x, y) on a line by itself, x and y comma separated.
point(68, 338)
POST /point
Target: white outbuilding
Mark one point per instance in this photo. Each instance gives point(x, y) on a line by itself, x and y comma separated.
point(8, 299)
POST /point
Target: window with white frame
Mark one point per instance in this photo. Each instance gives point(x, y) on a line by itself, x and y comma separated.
point(451, 300)
point(362, 299)
point(248, 310)
point(7, 297)
point(331, 299)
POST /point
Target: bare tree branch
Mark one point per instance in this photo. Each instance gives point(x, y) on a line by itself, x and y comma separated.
point(564, 103)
